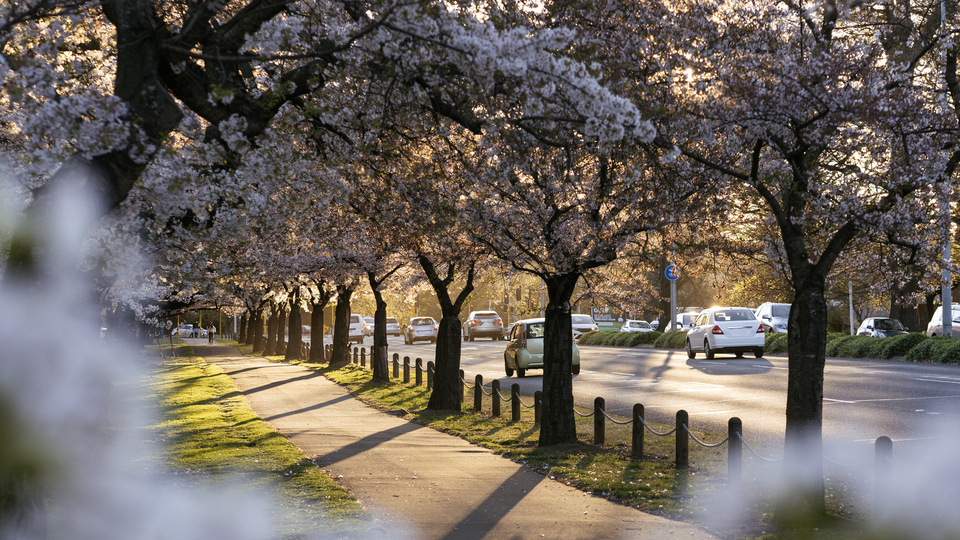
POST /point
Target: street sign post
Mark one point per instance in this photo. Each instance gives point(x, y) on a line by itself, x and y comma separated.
point(672, 273)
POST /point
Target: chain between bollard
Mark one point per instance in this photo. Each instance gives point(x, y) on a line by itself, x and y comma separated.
point(614, 420)
point(752, 451)
point(701, 443)
point(581, 415)
point(657, 433)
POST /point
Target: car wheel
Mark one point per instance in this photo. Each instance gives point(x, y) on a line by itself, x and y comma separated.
point(690, 352)
point(758, 353)
point(739, 355)
point(433, 340)
point(470, 337)
point(707, 351)
point(509, 371)
point(521, 373)
point(576, 369)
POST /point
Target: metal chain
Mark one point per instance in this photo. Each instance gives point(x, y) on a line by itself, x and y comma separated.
point(651, 430)
point(752, 451)
point(490, 393)
point(582, 415)
point(503, 399)
point(701, 443)
point(614, 420)
point(466, 384)
point(862, 465)
point(525, 405)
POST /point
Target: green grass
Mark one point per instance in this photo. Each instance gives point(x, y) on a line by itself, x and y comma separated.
point(210, 434)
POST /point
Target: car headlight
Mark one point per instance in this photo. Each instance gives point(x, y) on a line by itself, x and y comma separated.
point(780, 326)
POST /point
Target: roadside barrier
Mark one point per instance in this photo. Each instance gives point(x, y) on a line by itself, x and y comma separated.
point(883, 448)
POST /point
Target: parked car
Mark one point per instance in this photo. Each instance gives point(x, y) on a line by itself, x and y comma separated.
point(636, 326)
point(183, 331)
point(582, 324)
point(483, 324)
point(356, 329)
point(725, 330)
point(421, 329)
point(525, 349)
point(368, 326)
point(881, 327)
point(684, 322)
point(393, 326)
point(774, 317)
point(935, 328)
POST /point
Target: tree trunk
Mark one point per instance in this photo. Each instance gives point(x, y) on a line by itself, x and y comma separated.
point(256, 330)
point(446, 374)
point(281, 330)
point(341, 328)
point(271, 348)
point(803, 502)
point(316, 326)
point(558, 424)
point(242, 336)
point(379, 360)
point(904, 313)
point(295, 345)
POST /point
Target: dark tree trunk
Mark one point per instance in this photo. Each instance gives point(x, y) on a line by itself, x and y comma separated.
point(271, 348)
point(281, 330)
point(256, 331)
point(242, 335)
point(446, 377)
point(378, 355)
point(295, 346)
point(906, 314)
point(341, 327)
point(803, 444)
point(558, 424)
point(316, 324)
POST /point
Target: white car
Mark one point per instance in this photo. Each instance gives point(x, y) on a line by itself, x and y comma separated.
point(483, 324)
point(356, 329)
point(725, 330)
point(525, 349)
point(935, 328)
point(636, 326)
point(582, 324)
point(774, 317)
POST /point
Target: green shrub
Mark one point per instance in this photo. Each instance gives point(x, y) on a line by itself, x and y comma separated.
point(900, 345)
point(648, 338)
point(835, 345)
point(836, 335)
point(591, 338)
point(939, 350)
point(622, 339)
point(775, 343)
point(676, 339)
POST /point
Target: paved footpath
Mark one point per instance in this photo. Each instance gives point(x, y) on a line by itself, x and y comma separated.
point(420, 483)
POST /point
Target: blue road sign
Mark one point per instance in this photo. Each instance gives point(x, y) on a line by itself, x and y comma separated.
point(672, 272)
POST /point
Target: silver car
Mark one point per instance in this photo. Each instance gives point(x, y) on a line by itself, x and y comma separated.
point(525, 350)
point(582, 324)
point(483, 324)
point(421, 329)
point(636, 326)
point(393, 326)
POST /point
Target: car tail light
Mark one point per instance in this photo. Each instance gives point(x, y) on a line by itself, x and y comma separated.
point(716, 330)
point(523, 340)
point(436, 327)
point(474, 322)
point(760, 330)
point(410, 328)
point(498, 321)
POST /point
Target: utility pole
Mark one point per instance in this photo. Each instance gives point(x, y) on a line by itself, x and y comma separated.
point(946, 294)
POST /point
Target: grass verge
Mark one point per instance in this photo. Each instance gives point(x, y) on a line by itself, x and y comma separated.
point(209, 433)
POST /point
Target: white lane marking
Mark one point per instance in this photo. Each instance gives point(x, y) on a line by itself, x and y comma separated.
point(839, 401)
point(714, 412)
point(937, 380)
point(627, 374)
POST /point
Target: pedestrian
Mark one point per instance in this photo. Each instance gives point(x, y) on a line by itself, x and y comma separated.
point(210, 331)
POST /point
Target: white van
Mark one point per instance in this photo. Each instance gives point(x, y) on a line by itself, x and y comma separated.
point(935, 328)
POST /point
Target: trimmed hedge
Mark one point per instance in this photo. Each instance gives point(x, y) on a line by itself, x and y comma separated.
point(916, 347)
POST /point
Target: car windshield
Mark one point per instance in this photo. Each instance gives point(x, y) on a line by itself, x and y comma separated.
point(780, 311)
point(422, 321)
point(535, 330)
point(392, 320)
point(888, 324)
point(581, 319)
point(487, 316)
point(734, 315)
point(354, 319)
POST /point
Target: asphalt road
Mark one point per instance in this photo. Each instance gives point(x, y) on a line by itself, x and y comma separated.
point(916, 405)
